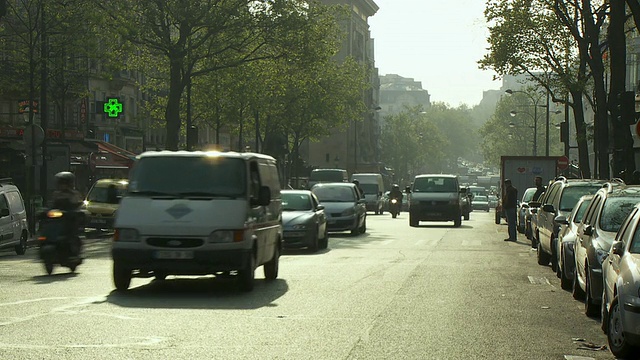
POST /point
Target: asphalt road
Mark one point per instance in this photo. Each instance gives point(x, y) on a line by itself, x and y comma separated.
point(396, 292)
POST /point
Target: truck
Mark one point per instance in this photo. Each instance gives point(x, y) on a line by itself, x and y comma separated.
point(522, 170)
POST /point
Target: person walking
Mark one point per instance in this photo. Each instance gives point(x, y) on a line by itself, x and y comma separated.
point(539, 188)
point(509, 205)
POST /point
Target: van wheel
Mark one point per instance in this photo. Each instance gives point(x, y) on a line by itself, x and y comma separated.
point(246, 276)
point(22, 247)
point(121, 277)
point(271, 268)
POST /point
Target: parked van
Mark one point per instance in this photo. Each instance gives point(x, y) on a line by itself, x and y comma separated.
point(199, 213)
point(102, 201)
point(327, 175)
point(436, 198)
point(373, 188)
point(14, 231)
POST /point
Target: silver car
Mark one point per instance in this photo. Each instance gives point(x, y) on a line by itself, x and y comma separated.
point(522, 209)
point(566, 241)
point(620, 298)
point(304, 222)
point(345, 210)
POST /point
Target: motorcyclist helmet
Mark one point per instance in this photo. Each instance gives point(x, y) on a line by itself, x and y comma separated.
point(396, 187)
point(65, 178)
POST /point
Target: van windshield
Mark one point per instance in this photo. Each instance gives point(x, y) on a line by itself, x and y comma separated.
point(182, 175)
point(327, 175)
point(370, 189)
point(435, 184)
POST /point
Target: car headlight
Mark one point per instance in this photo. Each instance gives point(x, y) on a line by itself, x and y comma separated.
point(126, 235)
point(226, 236)
point(348, 212)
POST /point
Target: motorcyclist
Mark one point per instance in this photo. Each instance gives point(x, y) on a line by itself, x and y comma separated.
point(395, 193)
point(68, 199)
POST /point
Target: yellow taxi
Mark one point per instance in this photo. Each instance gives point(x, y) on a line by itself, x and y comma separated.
point(102, 202)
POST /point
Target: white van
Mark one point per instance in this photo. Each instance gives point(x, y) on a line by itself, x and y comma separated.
point(318, 176)
point(14, 231)
point(199, 213)
point(373, 187)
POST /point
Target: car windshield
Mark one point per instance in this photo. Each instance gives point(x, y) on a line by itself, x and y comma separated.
point(435, 184)
point(614, 212)
point(480, 198)
point(572, 194)
point(184, 175)
point(295, 202)
point(580, 211)
point(528, 195)
point(100, 194)
point(327, 175)
point(334, 194)
point(369, 188)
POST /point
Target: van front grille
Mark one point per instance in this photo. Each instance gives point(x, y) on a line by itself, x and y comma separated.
point(175, 243)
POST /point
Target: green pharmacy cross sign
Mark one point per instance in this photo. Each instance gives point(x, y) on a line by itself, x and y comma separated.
point(113, 107)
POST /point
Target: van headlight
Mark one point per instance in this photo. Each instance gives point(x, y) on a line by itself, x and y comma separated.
point(126, 235)
point(226, 236)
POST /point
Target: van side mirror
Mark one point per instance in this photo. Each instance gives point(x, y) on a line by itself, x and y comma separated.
point(264, 197)
point(4, 212)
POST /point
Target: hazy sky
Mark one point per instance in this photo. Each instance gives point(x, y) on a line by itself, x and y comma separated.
point(437, 42)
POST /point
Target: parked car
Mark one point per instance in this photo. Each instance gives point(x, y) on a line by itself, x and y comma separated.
point(596, 232)
point(523, 206)
point(344, 209)
point(304, 222)
point(559, 199)
point(493, 201)
point(566, 241)
point(14, 231)
point(620, 297)
point(480, 202)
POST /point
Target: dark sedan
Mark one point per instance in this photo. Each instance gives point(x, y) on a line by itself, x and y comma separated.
point(304, 222)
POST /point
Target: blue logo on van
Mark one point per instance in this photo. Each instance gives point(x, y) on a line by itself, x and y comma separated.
point(178, 211)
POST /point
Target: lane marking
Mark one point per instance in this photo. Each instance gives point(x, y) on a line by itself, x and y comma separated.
point(538, 280)
point(145, 342)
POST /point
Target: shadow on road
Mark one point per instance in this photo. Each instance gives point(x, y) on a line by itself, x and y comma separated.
point(64, 274)
point(200, 293)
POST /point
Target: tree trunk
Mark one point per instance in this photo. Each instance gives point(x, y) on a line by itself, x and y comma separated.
point(581, 134)
point(172, 113)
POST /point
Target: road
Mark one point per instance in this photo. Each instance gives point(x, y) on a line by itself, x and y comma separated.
point(396, 292)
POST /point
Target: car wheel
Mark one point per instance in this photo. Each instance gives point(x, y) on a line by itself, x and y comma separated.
point(497, 218)
point(554, 259)
point(543, 257)
point(48, 267)
point(577, 293)
point(604, 313)
point(324, 242)
point(22, 247)
point(271, 267)
point(520, 229)
point(615, 334)
point(590, 308)
point(246, 275)
point(315, 243)
point(457, 221)
point(413, 222)
point(466, 216)
point(565, 282)
point(121, 276)
point(363, 228)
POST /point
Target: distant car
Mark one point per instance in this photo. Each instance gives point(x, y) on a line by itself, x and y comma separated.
point(480, 202)
point(345, 210)
point(102, 205)
point(567, 239)
point(14, 231)
point(604, 217)
point(304, 222)
point(621, 301)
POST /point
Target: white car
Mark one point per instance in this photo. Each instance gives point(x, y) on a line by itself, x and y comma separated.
point(621, 294)
point(14, 231)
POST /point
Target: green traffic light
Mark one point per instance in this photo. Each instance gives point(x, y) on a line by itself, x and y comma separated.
point(113, 107)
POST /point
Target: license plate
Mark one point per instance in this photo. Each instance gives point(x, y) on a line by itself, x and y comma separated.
point(174, 254)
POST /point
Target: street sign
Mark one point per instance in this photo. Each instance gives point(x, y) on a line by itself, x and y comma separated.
point(563, 162)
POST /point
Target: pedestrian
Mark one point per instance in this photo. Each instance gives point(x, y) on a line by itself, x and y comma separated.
point(539, 188)
point(509, 205)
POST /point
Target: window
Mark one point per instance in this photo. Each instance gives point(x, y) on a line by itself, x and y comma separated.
point(14, 198)
point(626, 229)
point(614, 211)
point(3, 203)
point(571, 195)
point(589, 217)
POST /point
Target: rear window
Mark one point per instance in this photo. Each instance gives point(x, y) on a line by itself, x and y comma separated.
point(327, 175)
point(369, 188)
point(580, 211)
point(218, 176)
point(100, 194)
point(334, 194)
point(614, 212)
point(528, 195)
point(572, 194)
point(435, 184)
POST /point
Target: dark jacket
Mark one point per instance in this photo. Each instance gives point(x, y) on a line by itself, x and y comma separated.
point(66, 200)
point(395, 194)
point(510, 200)
point(539, 191)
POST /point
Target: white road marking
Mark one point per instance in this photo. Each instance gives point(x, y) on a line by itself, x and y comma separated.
point(387, 242)
point(474, 242)
point(538, 281)
point(145, 342)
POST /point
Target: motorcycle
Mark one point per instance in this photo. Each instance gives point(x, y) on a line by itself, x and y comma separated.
point(394, 207)
point(57, 239)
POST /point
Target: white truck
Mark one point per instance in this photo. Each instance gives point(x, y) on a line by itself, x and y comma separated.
point(522, 170)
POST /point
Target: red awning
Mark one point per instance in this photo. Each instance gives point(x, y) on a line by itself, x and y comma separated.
point(110, 156)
